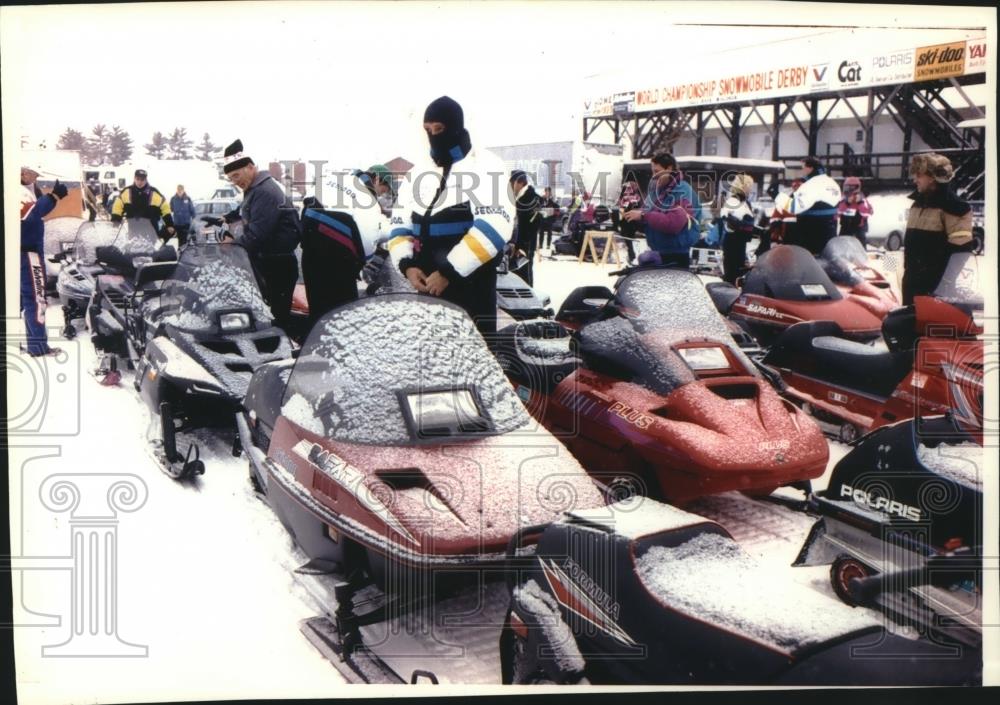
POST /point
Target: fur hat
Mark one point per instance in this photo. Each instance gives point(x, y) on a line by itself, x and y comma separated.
point(742, 184)
point(935, 165)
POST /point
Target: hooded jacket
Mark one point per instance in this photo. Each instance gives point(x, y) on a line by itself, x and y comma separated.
point(672, 213)
point(465, 228)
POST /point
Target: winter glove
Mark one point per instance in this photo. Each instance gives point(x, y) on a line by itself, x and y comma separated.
point(59, 190)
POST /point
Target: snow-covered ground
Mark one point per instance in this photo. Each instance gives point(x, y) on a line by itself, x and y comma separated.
point(204, 571)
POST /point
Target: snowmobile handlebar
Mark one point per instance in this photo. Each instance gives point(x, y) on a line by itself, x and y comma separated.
point(940, 571)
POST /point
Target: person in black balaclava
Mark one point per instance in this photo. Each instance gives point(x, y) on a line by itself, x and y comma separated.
point(460, 210)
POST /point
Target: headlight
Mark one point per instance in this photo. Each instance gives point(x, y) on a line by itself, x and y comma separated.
point(234, 321)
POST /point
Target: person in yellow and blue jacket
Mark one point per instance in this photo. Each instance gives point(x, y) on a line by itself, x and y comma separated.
point(142, 200)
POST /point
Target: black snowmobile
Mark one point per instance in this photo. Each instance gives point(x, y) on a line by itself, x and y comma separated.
point(642, 593)
point(901, 527)
point(514, 296)
point(195, 330)
point(101, 248)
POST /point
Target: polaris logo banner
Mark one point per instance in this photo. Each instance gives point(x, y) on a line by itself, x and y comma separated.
point(880, 503)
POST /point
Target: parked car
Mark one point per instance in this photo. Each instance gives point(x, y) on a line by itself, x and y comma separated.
point(887, 224)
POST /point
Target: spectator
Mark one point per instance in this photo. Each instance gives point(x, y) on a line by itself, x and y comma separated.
point(854, 211)
point(270, 229)
point(550, 211)
point(142, 200)
point(461, 230)
point(814, 204)
point(183, 211)
point(34, 207)
point(737, 227)
point(90, 191)
point(939, 224)
point(671, 214)
point(526, 202)
point(629, 200)
point(338, 239)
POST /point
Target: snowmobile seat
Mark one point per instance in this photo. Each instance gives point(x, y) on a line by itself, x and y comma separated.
point(153, 272)
point(583, 304)
point(267, 389)
point(818, 349)
point(723, 295)
point(539, 354)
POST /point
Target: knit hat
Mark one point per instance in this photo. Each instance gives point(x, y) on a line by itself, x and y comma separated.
point(517, 175)
point(234, 158)
point(852, 184)
point(445, 110)
point(935, 165)
point(741, 184)
point(381, 171)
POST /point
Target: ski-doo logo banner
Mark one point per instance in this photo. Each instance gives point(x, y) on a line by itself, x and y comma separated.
point(880, 503)
point(941, 61)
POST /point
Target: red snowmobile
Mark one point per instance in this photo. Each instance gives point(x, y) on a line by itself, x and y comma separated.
point(652, 388)
point(395, 436)
point(846, 262)
point(788, 285)
point(933, 365)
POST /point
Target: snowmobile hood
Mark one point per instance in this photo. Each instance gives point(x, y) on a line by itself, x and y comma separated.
point(452, 499)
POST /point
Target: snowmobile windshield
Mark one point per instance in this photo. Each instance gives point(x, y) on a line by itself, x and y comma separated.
point(962, 281)
point(790, 273)
point(658, 310)
point(396, 370)
point(213, 287)
point(90, 236)
point(841, 259)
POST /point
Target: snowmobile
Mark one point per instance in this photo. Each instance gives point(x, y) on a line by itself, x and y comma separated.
point(846, 262)
point(787, 285)
point(651, 389)
point(642, 593)
point(195, 330)
point(932, 364)
point(87, 258)
point(397, 455)
point(901, 527)
point(514, 296)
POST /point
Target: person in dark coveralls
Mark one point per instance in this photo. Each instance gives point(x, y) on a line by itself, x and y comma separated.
point(143, 200)
point(182, 209)
point(528, 219)
point(268, 228)
point(459, 210)
point(34, 207)
point(939, 224)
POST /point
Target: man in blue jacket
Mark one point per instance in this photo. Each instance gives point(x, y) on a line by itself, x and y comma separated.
point(34, 207)
point(182, 209)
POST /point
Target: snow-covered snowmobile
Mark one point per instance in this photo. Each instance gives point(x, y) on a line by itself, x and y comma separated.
point(642, 593)
point(901, 527)
point(195, 330)
point(100, 248)
point(652, 387)
point(396, 453)
point(933, 364)
point(787, 285)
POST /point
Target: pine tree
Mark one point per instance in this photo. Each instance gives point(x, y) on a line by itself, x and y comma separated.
point(121, 146)
point(179, 144)
point(99, 145)
point(157, 147)
point(206, 149)
point(72, 139)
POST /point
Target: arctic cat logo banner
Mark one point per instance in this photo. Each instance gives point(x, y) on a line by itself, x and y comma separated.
point(941, 61)
point(880, 503)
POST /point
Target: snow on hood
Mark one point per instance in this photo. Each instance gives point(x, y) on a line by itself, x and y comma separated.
point(360, 357)
point(638, 516)
point(711, 578)
point(961, 463)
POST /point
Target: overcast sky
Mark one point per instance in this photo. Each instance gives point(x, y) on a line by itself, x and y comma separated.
point(348, 81)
